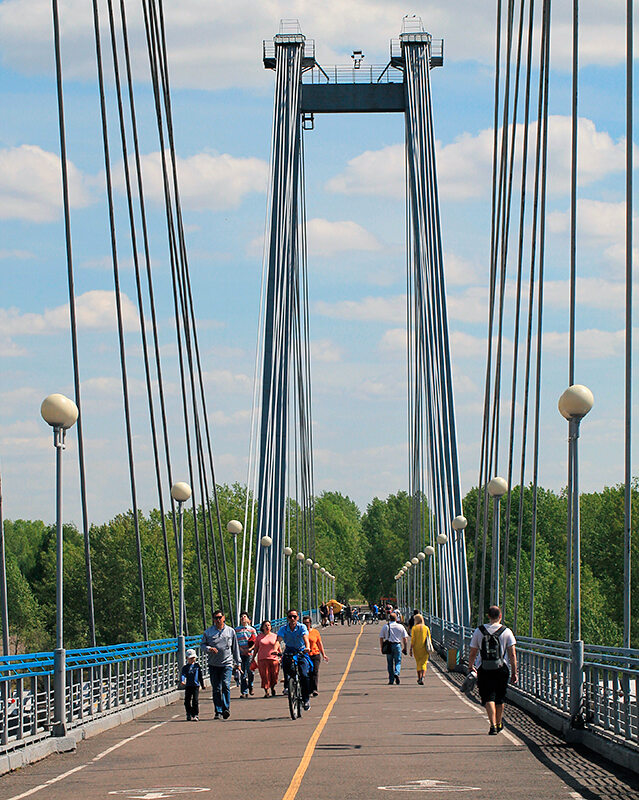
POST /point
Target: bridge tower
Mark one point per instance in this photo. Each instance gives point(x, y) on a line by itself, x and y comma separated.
point(303, 88)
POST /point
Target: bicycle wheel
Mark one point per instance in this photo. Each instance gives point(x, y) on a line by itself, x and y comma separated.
point(294, 696)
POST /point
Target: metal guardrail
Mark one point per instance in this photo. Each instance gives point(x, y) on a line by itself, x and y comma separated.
point(366, 73)
point(611, 676)
point(99, 681)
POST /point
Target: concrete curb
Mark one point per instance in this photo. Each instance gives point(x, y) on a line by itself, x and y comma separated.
point(42, 748)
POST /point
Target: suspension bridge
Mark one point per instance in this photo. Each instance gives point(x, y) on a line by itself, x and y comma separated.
point(569, 691)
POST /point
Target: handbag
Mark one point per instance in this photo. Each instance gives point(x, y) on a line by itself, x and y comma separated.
point(386, 644)
point(430, 649)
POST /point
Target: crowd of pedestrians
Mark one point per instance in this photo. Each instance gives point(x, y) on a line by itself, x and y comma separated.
point(297, 645)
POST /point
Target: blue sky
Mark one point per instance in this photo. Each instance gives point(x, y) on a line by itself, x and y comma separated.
point(222, 103)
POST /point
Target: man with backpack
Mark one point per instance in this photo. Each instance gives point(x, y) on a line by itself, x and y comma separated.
point(495, 645)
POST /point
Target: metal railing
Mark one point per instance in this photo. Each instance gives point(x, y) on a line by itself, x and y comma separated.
point(99, 681)
point(609, 705)
point(365, 73)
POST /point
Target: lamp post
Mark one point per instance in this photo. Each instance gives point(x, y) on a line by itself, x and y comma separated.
point(316, 567)
point(497, 488)
point(266, 543)
point(309, 584)
point(300, 593)
point(573, 405)
point(459, 526)
point(234, 527)
point(323, 583)
point(429, 551)
point(422, 557)
point(415, 561)
point(287, 555)
point(61, 413)
point(181, 492)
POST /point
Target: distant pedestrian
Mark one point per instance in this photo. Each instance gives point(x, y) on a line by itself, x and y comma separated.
point(355, 615)
point(267, 655)
point(323, 609)
point(495, 645)
point(331, 616)
point(419, 636)
point(411, 619)
point(220, 643)
point(375, 610)
point(246, 636)
point(348, 613)
point(192, 680)
point(395, 635)
point(316, 652)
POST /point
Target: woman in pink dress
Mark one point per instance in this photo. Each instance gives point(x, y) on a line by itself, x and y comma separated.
point(267, 655)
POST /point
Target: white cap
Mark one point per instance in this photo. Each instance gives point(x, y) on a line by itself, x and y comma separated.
point(191, 654)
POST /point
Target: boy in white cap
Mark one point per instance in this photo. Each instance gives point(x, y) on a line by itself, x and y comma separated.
point(192, 680)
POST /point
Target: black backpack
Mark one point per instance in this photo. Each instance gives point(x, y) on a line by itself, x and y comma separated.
point(492, 652)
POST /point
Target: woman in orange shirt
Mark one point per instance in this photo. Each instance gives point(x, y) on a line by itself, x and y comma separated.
point(316, 652)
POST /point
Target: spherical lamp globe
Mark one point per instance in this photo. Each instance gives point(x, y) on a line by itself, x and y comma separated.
point(309, 562)
point(266, 541)
point(459, 523)
point(234, 527)
point(429, 550)
point(576, 402)
point(421, 556)
point(300, 556)
point(323, 570)
point(180, 492)
point(414, 561)
point(316, 565)
point(442, 538)
point(497, 487)
point(59, 411)
point(288, 552)
point(407, 564)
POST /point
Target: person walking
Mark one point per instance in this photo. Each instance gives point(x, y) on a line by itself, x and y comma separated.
point(294, 635)
point(348, 613)
point(331, 616)
point(419, 636)
point(267, 655)
point(392, 642)
point(494, 644)
point(316, 652)
point(223, 653)
point(246, 636)
point(192, 680)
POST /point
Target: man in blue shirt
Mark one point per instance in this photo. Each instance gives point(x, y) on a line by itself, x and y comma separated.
point(294, 636)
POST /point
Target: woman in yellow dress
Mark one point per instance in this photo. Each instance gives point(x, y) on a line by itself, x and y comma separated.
point(418, 636)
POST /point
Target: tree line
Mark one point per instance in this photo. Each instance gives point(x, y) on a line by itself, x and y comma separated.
point(364, 551)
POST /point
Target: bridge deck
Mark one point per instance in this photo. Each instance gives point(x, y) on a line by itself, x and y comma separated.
point(375, 736)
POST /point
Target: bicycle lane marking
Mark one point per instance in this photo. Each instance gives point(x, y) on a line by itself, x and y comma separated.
point(100, 756)
point(296, 782)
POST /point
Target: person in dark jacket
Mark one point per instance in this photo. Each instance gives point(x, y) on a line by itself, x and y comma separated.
point(192, 680)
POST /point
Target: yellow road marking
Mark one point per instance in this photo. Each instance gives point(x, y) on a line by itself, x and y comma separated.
point(296, 782)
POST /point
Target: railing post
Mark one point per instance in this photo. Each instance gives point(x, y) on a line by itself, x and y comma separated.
point(576, 683)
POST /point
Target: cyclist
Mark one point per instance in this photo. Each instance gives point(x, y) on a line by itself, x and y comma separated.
point(294, 637)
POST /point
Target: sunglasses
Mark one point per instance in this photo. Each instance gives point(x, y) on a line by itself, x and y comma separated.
point(220, 616)
point(292, 616)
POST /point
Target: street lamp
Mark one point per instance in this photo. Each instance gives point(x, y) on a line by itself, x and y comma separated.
point(266, 543)
point(316, 567)
point(574, 404)
point(459, 524)
point(497, 488)
point(288, 552)
point(61, 413)
point(309, 585)
point(234, 527)
point(181, 492)
point(422, 557)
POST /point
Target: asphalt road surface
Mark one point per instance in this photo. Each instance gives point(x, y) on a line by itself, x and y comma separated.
point(361, 740)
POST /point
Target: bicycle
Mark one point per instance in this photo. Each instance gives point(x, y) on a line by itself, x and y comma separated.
point(294, 690)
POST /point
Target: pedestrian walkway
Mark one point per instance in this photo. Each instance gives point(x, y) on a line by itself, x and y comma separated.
point(362, 740)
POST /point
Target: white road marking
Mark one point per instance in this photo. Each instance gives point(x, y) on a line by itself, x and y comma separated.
point(429, 786)
point(517, 742)
point(66, 774)
point(159, 794)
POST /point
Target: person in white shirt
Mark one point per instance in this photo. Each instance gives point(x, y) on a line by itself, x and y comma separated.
point(493, 645)
point(392, 642)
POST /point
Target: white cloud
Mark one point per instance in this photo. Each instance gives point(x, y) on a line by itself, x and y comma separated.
point(458, 271)
point(31, 185)
point(218, 45)
point(17, 255)
point(325, 350)
point(206, 180)
point(464, 166)
point(597, 221)
point(590, 344)
point(227, 381)
point(95, 310)
point(326, 238)
point(222, 419)
point(370, 309)
point(9, 349)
